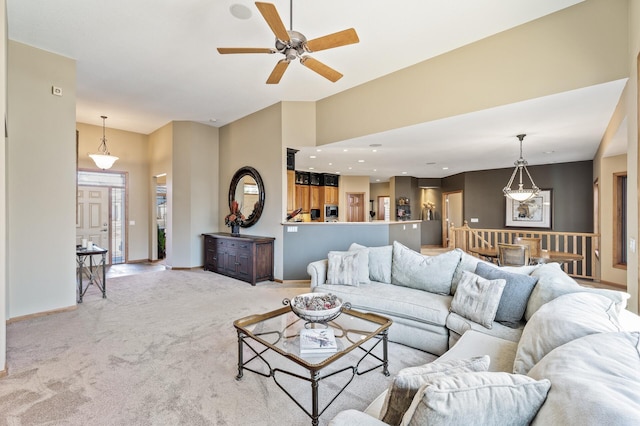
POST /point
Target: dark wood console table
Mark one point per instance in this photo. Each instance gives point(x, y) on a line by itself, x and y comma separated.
point(244, 257)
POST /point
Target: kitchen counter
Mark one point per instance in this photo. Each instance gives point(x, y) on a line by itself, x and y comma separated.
point(305, 242)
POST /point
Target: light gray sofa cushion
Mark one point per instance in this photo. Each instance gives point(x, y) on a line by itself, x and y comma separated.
point(477, 299)
point(553, 282)
point(484, 398)
point(379, 262)
point(408, 380)
point(393, 300)
point(560, 321)
point(595, 381)
point(518, 288)
point(429, 273)
point(460, 325)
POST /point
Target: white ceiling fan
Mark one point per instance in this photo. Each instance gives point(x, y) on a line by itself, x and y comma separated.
point(294, 45)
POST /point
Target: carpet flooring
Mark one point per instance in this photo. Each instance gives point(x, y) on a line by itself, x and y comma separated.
point(162, 350)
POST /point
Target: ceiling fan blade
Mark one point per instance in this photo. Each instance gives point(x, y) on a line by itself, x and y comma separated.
point(322, 69)
point(270, 14)
point(278, 71)
point(341, 38)
point(226, 50)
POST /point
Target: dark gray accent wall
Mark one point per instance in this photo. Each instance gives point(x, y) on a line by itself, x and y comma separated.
point(572, 194)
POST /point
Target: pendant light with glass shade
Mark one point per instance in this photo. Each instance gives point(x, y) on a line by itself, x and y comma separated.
point(521, 194)
point(103, 157)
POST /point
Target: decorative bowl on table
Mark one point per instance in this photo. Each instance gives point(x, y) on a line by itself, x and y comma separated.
point(316, 307)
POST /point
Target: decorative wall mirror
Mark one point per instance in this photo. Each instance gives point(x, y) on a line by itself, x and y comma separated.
point(247, 189)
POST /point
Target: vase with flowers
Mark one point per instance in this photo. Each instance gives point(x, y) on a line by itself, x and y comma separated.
point(235, 218)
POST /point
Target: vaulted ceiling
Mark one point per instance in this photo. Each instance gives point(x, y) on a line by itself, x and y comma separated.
point(148, 62)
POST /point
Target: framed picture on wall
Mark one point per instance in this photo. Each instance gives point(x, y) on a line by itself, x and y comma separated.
point(533, 213)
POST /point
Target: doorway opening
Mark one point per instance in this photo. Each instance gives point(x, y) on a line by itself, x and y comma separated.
point(102, 212)
point(452, 209)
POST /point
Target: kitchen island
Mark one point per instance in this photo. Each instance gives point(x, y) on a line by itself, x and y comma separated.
point(305, 242)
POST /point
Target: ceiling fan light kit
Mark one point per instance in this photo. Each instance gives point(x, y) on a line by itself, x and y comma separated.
point(521, 194)
point(294, 45)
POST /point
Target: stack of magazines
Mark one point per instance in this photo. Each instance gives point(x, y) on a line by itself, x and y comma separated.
point(317, 341)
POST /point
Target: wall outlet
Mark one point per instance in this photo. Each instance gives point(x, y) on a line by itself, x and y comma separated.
point(474, 220)
point(132, 222)
point(57, 91)
point(292, 229)
point(632, 245)
point(415, 226)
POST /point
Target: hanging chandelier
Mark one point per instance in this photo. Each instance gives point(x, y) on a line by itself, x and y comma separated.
point(103, 158)
point(521, 194)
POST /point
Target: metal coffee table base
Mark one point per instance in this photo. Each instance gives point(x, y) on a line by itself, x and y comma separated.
point(315, 377)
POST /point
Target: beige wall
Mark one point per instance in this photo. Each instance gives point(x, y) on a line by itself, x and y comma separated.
point(354, 184)
point(40, 173)
point(549, 54)
point(132, 150)
point(194, 196)
point(256, 141)
point(3, 189)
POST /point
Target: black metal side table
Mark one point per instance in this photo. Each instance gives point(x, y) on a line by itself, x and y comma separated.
point(87, 267)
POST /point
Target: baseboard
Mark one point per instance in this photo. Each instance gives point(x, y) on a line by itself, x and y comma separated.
point(293, 281)
point(41, 314)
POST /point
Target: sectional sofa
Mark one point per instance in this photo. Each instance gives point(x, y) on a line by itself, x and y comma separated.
point(517, 345)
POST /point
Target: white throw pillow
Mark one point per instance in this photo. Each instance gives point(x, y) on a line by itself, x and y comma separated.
point(379, 262)
point(485, 398)
point(477, 299)
point(553, 282)
point(596, 381)
point(560, 321)
point(429, 273)
point(344, 267)
point(408, 380)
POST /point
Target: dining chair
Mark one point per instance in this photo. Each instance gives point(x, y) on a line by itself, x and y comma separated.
point(535, 244)
point(513, 255)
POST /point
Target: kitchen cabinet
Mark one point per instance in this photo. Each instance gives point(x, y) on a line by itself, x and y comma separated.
point(291, 191)
point(302, 198)
point(246, 257)
point(315, 197)
point(331, 195)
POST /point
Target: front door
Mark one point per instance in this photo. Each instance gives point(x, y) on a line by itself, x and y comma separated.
point(92, 220)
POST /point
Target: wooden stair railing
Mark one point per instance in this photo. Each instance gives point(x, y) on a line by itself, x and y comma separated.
point(581, 243)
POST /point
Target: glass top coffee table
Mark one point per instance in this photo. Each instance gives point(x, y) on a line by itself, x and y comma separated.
point(277, 334)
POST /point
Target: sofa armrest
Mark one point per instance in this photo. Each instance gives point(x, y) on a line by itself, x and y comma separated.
point(318, 272)
point(353, 418)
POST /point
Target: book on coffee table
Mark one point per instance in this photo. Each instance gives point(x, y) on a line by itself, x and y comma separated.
point(317, 341)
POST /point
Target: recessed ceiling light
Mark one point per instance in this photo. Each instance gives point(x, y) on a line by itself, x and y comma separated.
point(240, 11)
point(318, 150)
point(213, 120)
point(377, 180)
point(337, 173)
point(331, 164)
point(548, 152)
point(345, 150)
point(350, 168)
point(445, 168)
point(310, 168)
point(431, 163)
point(404, 173)
point(375, 145)
point(312, 156)
point(375, 170)
point(360, 161)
